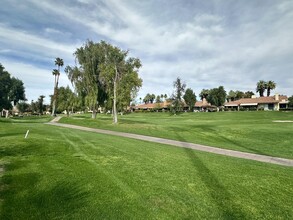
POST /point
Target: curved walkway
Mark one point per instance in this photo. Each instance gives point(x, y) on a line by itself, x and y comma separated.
point(226, 152)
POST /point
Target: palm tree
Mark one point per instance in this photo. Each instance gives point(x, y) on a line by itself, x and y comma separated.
point(270, 85)
point(204, 94)
point(40, 103)
point(58, 62)
point(165, 96)
point(56, 74)
point(261, 87)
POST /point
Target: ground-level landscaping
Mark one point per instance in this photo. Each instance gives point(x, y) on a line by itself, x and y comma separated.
point(59, 173)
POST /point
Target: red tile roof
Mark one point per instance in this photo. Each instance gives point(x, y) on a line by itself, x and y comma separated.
point(258, 100)
point(153, 105)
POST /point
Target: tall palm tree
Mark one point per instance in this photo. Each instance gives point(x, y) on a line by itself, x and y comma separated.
point(204, 94)
point(270, 85)
point(58, 62)
point(261, 87)
point(56, 74)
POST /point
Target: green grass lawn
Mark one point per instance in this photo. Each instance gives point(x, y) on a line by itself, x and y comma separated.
point(253, 132)
point(58, 173)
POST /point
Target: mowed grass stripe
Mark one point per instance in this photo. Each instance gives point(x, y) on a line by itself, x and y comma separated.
point(68, 174)
point(252, 132)
point(238, 154)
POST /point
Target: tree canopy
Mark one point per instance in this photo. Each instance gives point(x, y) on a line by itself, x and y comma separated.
point(85, 76)
point(261, 87)
point(105, 76)
point(189, 98)
point(204, 94)
point(270, 85)
point(56, 73)
point(149, 98)
point(179, 88)
point(217, 96)
point(11, 89)
point(119, 74)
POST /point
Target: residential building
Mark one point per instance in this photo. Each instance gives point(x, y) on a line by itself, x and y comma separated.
point(275, 103)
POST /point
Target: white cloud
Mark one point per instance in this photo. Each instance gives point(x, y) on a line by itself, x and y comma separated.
point(234, 45)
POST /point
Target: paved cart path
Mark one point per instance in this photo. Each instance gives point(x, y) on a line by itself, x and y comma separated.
point(226, 152)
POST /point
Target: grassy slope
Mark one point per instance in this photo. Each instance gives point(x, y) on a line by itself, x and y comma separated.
point(253, 132)
point(68, 174)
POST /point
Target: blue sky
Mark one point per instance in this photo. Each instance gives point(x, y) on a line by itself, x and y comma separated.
point(233, 43)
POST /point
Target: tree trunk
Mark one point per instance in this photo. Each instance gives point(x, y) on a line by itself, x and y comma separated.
point(54, 102)
point(115, 119)
point(55, 95)
point(94, 114)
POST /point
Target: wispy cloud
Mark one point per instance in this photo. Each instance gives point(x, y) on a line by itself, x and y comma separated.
point(207, 43)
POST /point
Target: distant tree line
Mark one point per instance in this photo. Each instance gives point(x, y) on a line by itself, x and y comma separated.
point(151, 98)
point(215, 96)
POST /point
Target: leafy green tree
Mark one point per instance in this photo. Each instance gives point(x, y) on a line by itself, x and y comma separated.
point(231, 95)
point(217, 96)
point(204, 94)
point(236, 95)
point(261, 87)
point(239, 95)
point(66, 99)
point(179, 88)
point(5, 84)
point(22, 106)
point(33, 107)
point(117, 68)
point(17, 91)
point(190, 98)
point(85, 77)
point(270, 85)
point(290, 99)
point(158, 99)
point(40, 104)
point(127, 90)
point(11, 89)
point(147, 98)
point(248, 94)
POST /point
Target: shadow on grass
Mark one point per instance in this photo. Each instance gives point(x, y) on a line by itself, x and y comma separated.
point(24, 197)
point(17, 149)
point(223, 139)
point(16, 134)
point(219, 194)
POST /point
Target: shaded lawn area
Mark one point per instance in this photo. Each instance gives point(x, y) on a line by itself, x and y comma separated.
point(59, 173)
point(253, 132)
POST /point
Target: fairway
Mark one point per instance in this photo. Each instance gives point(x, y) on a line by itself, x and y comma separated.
point(68, 174)
point(253, 132)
